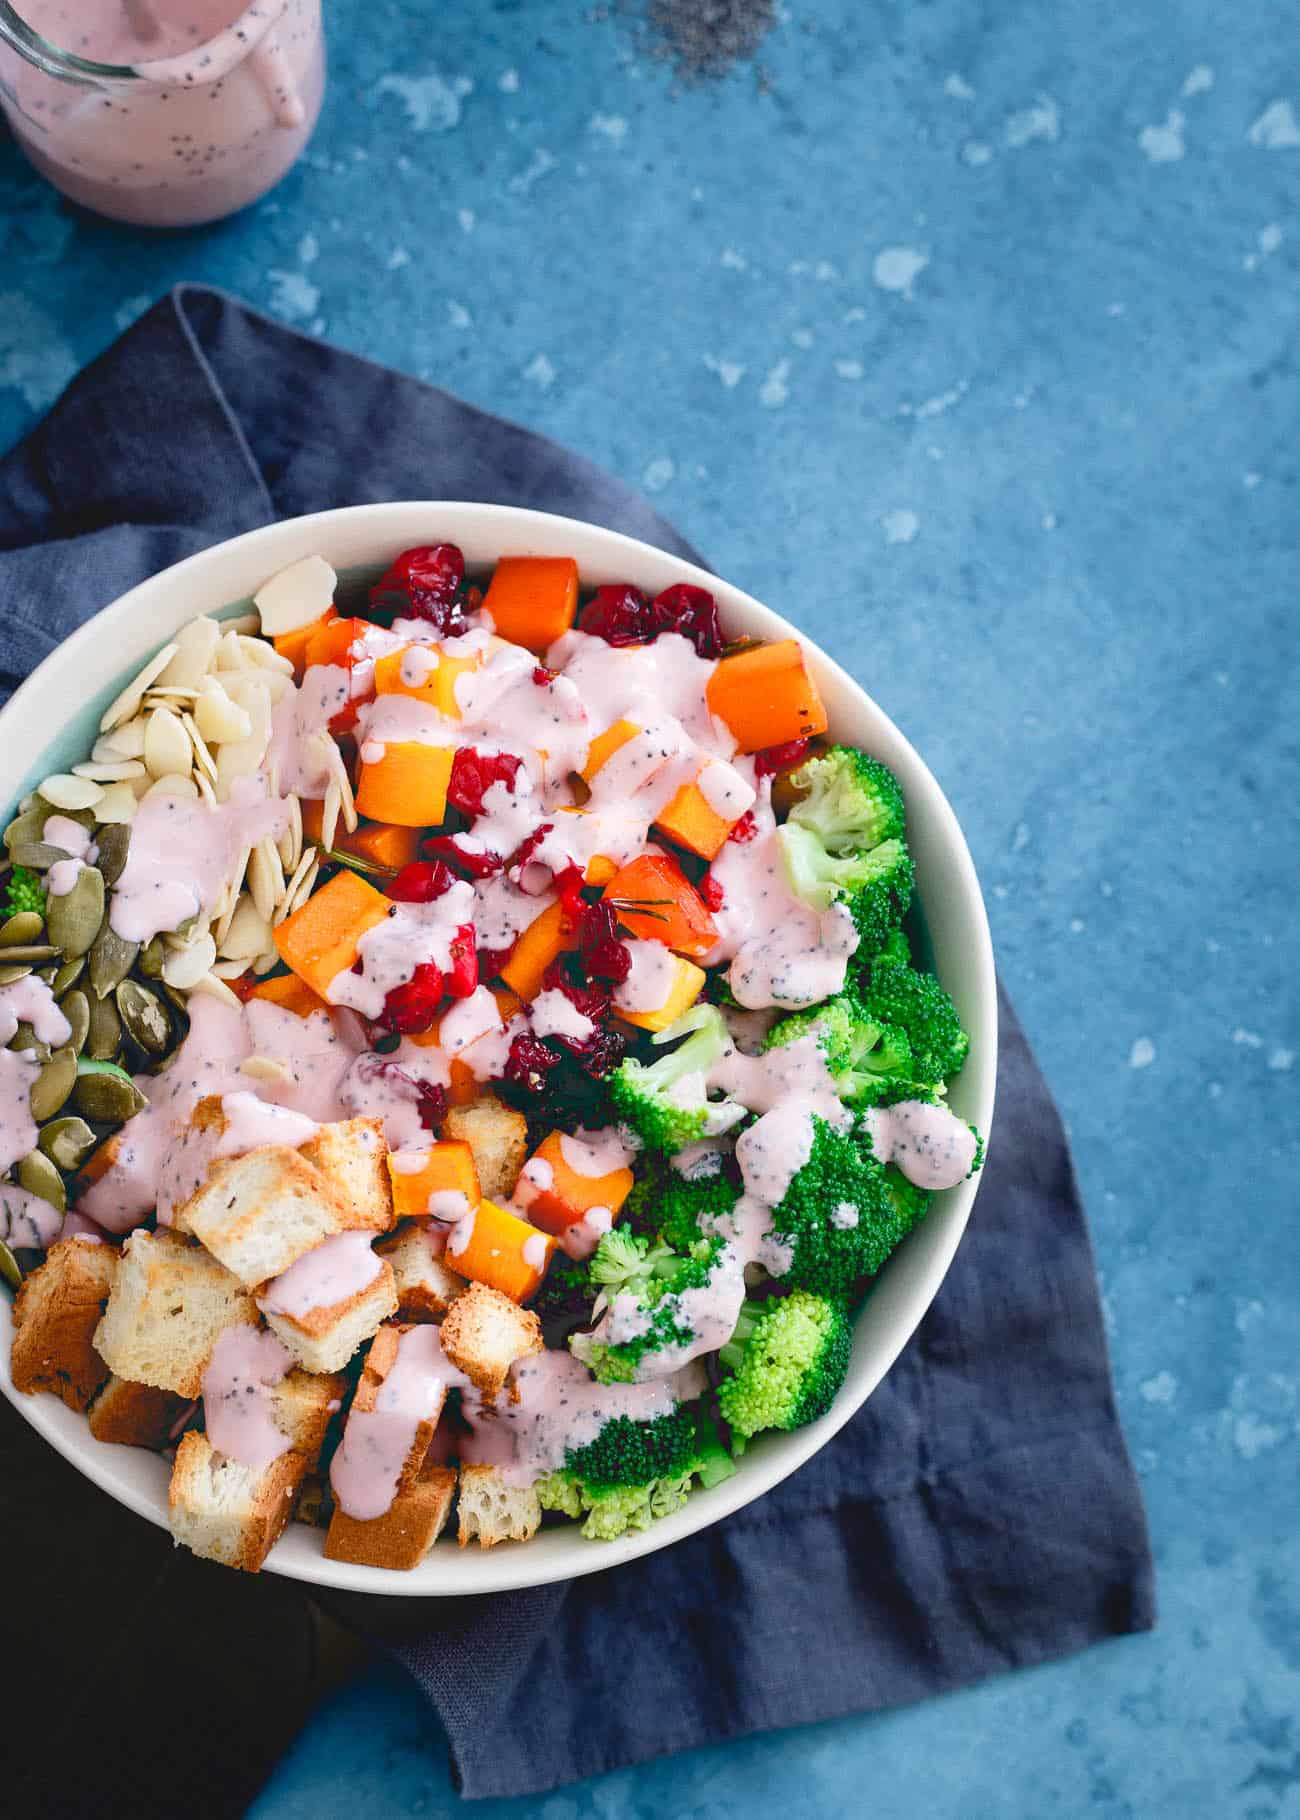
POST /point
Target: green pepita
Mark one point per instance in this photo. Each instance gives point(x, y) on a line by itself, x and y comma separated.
point(10, 975)
point(29, 826)
point(9, 1270)
point(152, 956)
point(29, 953)
point(109, 1099)
point(40, 855)
point(53, 1084)
point(24, 1037)
point(144, 1018)
point(68, 975)
point(37, 1174)
point(26, 926)
point(105, 1035)
point(112, 842)
point(75, 1006)
point(73, 920)
point(111, 959)
point(67, 1141)
point(48, 973)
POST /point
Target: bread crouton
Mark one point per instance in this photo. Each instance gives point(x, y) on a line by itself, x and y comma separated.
point(55, 1316)
point(260, 1212)
point(135, 1415)
point(312, 1507)
point(304, 1403)
point(352, 1156)
point(498, 1136)
point(323, 1334)
point(408, 1529)
point(485, 1332)
point(368, 1446)
point(167, 1306)
point(226, 1511)
point(426, 1287)
point(490, 1511)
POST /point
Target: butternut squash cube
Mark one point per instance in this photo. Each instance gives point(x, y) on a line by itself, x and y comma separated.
point(319, 941)
point(407, 785)
point(496, 1247)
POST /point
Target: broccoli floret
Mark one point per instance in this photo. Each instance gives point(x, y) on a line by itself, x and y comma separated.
point(786, 1362)
point(24, 891)
point(918, 1005)
point(666, 1101)
point(678, 1209)
point(870, 1061)
point(635, 1472)
point(875, 885)
point(843, 1214)
point(852, 802)
point(896, 948)
point(650, 1300)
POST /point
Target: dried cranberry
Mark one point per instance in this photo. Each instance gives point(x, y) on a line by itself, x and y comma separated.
point(604, 956)
point(421, 882)
point(691, 611)
point(432, 1102)
point(745, 829)
point(473, 773)
point(492, 960)
point(543, 677)
point(451, 847)
point(529, 1062)
point(424, 583)
point(413, 1008)
point(620, 614)
point(604, 1052)
point(569, 885)
point(462, 977)
point(524, 852)
point(780, 758)
point(711, 891)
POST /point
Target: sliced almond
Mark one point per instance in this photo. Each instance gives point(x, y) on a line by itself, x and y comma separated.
point(229, 970)
point(248, 933)
point(264, 656)
point(290, 842)
point(289, 898)
point(217, 717)
point(64, 791)
point(117, 804)
point(265, 1068)
point(109, 771)
point(125, 705)
point(330, 814)
point(167, 749)
point(172, 785)
point(196, 646)
point(217, 988)
point(185, 967)
point(246, 623)
point(295, 596)
point(202, 756)
point(230, 653)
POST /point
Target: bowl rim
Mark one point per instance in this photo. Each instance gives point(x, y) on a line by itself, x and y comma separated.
point(195, 584)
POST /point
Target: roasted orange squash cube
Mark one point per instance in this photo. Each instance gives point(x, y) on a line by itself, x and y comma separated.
point(420, 663)
point(533, 599)
point(293, 645)
point(382, 843)
point(290, 993)
point(556, 1193)
point(655, 899)
point(546, 937)
point(496, 1247)
point(319, 941)
point(407, 784)
point(691, 821)
point(766, 696)
point(606, 744)
point(447, 1168)
point(687, 984)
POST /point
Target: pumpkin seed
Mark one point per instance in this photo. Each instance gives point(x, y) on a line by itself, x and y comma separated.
point(9, 1267)
point(105, 1035)
point(24, 1037)
point(40, 855)
point(112, 843)
point(75, 1006)
point(9, 976)
point(176, 997)
point(68, 975)
point(28, 826)
point(25, 927)
point(53, 1084)
point(30, 953)
point(151, 959)
point(109, 1099)
point(144, 1018)
point(68, 1141)
point(73, 920)
point(111, 959)
point(37, 1174)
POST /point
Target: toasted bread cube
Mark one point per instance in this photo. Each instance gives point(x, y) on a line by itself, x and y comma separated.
point(312, 1507)
point(491, 1511)
point(259, 1213)
point(380, 1361)
point(56, 1312)
point(168, 1305)
point(351, 1156)
point(325, 1338)
point(304, 1404)
point(408, 1529)
point(226, 1511)
point(135, 1415)
point(426, 1287)
point(498, 1137)
point(484, 1332)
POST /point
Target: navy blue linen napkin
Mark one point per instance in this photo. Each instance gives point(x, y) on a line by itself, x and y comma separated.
point(980, 1513)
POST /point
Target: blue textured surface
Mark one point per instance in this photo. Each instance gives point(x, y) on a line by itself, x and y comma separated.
point(1042, 499)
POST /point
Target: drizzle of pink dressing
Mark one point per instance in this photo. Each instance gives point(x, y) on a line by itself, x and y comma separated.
point(26, 1221)
point(410, 936)
point(182, 853)
point(331, 1272)
point(238, 1408)
point(930, 1144)
point(650, 979)
point(560, 1406)
point(377, 1443)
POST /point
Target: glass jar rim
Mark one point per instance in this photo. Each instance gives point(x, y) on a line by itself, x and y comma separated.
point(67, 66)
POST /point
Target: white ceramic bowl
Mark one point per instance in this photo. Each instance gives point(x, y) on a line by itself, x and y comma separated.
point(51, 722)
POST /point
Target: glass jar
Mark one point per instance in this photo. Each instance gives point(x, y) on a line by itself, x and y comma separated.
point(165, 113)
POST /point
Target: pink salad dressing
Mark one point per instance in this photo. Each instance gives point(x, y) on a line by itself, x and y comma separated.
point(378, 1442)
point(225, 98)
point(238, 1407)
point(250, 1123)
point(331, 1272)
point(930, 1144)
point(648, 985)
point(297, 757)
point(25, 1219)
point(62, 831)
point(183, 851)
point(410, 936)
point(560, 1407)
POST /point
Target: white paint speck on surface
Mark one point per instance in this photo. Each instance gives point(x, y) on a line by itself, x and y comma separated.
point(308, 250)
point(1252, 1436)
point(540, 165)
point(1199, 81)
point(1248, 1315)
point(35, 361)
point(397, 259)
point(1021, 838)
point(976, 152)
point(943, 401)
point(899, 525)
point(293, 297)
point(467, 220)
point(1268, 240)
point(1042, 120)
point(1164, 144)
point(1142, 1054)
point(1247, 1039)
point(659, 474)
point(508, 82)
point(1277, 129)
point(1215, 1090)
point(897, 268)
point(1250, 481)
point(458, 316)
point(802, 338)
point(1049, 521)
point(1281, 1060)
point(540, 371)
point(775, 389)
point(608, 126)
point(1077, 925)
point(730, 372)
point(957, 88)
point(856, 314)
point(849, 369)
point(1114, 309)
point(431, 104)
point(732, 260)
point(824, 272)
point(1162, 1388)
